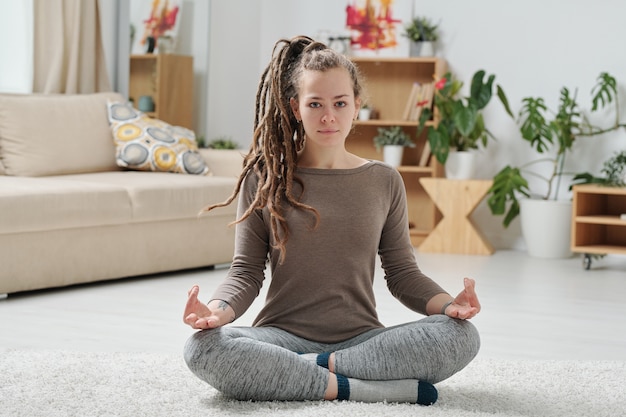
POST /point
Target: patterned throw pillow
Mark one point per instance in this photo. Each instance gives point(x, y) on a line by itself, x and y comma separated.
point(147, 144)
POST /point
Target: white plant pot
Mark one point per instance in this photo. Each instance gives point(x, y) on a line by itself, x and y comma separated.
point(460, 165)
point(364, 114)
point(422, 49)
point(428, 49)
point(392, 155)
point(546, 227)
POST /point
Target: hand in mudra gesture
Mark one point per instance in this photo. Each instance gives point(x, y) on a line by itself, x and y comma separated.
point(466, 304)
point(198, 315)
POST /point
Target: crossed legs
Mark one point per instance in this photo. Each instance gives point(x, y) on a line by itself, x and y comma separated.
point(263, 363)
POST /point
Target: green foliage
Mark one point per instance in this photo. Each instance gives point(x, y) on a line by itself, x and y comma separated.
point(460, 121)
point(552, 133)
point(604, 92)
point(614, 170)
point(421, 29)
point(505, 186)
point(223, 143)
point(392, 136)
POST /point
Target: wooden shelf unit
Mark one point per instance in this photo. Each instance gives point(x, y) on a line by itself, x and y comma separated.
point(168, 79)
point(596, 224)
point(388, 83)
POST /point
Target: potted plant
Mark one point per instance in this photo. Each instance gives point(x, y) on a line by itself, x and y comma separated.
point(392, 140)
point(422, 34)
point(460, 123)
point(552, 134)
point(365, 112)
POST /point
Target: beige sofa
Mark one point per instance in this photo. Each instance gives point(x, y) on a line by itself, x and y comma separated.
point(69, 214)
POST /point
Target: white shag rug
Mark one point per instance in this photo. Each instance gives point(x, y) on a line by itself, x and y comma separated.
point(55, 383)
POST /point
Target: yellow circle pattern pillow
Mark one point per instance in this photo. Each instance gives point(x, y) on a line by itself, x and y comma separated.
point(147, 144)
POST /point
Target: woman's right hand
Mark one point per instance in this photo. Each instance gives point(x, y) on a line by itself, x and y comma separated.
point(199, 316)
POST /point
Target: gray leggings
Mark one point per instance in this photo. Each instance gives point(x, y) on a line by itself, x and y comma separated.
point(262, 363)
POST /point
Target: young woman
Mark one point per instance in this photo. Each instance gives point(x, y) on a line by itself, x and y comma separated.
point(320, 215)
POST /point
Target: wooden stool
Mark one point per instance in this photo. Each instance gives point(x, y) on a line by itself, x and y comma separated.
point(456, 232)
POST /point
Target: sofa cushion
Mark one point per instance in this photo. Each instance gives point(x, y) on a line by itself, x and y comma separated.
point(54, 134)
point(165, 196)
point(147, 144)
point(36, 204)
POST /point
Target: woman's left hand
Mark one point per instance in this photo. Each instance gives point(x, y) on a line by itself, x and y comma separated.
point(466, 304)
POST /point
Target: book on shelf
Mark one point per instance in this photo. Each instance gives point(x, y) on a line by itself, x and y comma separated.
point(410, 102)
point(420, 97)
point(425, 155)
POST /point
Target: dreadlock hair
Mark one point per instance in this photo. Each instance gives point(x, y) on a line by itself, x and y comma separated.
point(278, 136)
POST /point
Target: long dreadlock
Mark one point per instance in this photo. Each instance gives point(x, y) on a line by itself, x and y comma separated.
point(278, 136)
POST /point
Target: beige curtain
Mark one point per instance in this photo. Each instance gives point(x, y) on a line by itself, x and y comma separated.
point(69, 57)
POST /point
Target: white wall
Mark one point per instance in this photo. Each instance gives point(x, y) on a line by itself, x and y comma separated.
point(534, 47)
point(234, 48)
point(194, 40)
point(16, 51)
point(115, 32)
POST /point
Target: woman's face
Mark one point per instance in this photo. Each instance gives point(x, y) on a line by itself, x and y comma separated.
point(326, 106)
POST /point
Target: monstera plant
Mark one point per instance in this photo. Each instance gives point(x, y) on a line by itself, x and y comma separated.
point(552, 134)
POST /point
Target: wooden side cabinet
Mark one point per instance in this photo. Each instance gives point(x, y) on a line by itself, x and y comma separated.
point(168, 79)
point(597, 225)
point(388, 84)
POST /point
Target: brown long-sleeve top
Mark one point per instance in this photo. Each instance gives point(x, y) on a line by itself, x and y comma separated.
point(323, 290)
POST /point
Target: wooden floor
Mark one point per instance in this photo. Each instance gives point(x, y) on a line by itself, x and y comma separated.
point(532, 308)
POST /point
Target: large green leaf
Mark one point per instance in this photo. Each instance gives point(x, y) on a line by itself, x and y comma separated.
point(465, 117)
point(505, 101)
point(480, 92)
point(480, 132)
point(439, 141)
point(506, 185)
point(425, 116)
point(534, 128)
point(567, 122)
point(604, 91)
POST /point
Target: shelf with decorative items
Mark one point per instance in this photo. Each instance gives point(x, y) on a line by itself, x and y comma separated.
point(161, 85)
point(390, 85)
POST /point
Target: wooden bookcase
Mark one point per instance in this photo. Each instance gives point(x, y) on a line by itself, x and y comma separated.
point(169, 80)
point(596, 224)
point(388, 83)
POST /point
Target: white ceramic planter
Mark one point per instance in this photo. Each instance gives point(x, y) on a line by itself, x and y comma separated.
point(428, 49)
point(392, 155)
point(422, 49)
point(546, 227)
point(460, 165)
point(365, 114)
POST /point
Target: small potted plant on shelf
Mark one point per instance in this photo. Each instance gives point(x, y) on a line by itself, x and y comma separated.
point(392, 140)
point(365, 112)
point(552, 134)
point(460, 124)
point(422, 33)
